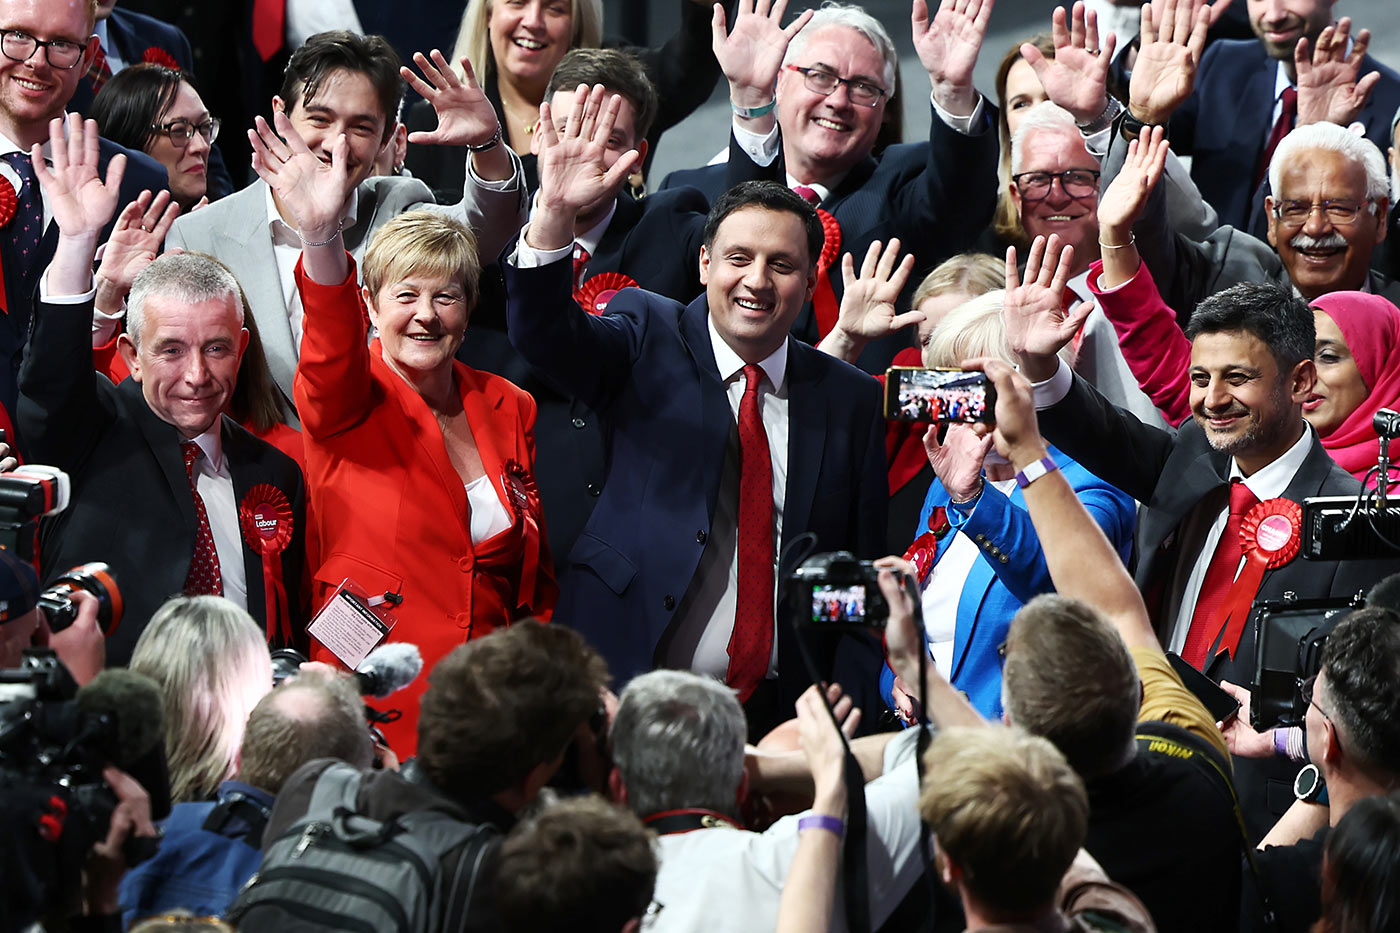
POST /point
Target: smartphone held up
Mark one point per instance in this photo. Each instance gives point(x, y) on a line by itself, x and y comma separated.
point(935, 396)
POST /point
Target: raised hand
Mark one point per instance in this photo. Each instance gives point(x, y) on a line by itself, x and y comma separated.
point(957, 462)
point(821, 743)
point(1077, 77)
point(751, 55)
point(81, 201)
point(1329, 89)
point(867, 304)
point(134, 244)
point(1037, 326)
point(948, 46)
point(315, 193)
point(1172, 39)
point(1124, 201)
point(465, 117)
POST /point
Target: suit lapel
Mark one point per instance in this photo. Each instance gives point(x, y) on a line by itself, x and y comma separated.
point(1254, 123)
point(807, 417)
point(608, 256)
point(482, 405)
point(164, 443)
point(252, 239)
point(716, 418)
point(123, 40)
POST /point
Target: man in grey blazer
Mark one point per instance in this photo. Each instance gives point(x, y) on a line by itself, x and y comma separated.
point(344, 89)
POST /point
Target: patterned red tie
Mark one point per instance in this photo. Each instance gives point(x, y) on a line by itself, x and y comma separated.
point(581, 257)
point(751, 644)
point(1282, 126)
point(1224, 565)
point(99, 72)
point(204, 577)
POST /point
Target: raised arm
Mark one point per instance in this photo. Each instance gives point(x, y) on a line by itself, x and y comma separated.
point(1077, 77)
point(1037, 325)
point(1330, 86)
point(948, 44)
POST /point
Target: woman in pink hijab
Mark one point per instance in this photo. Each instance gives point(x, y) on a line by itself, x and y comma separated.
point(1358, 372)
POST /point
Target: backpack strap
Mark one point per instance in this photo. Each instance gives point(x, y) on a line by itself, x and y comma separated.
point(337, 787)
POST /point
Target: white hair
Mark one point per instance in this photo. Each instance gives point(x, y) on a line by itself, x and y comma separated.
point(849, 16)
point(1043, 116)
point(1333, 138)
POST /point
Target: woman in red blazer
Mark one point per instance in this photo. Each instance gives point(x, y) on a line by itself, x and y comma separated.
point(420, 469)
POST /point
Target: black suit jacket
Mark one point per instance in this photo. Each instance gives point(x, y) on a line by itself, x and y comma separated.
point(131, 504)
point(1174, 475)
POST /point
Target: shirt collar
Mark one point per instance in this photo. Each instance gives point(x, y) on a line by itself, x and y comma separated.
point(275, 221)
point(8, 145)
point(1269, 482)
point(99, 30)
point(823, 192)
point(211, 442)
point(730, 364)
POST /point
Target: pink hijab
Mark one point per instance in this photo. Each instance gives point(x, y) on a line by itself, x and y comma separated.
point(1371, 327)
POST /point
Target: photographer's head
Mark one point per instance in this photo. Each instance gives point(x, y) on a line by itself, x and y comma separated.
point(310, 716)
point(581, 866)
point(500, 710)
point(1009, 815)
point(678, 742)
point(19, 617)
point(1070, 679)
point(1353, 716)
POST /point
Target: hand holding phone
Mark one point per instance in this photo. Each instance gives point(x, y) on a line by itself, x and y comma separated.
point(932, 396)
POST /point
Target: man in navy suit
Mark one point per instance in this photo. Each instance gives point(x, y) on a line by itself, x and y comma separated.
point(833, 85)
point(1241, 92)
point(656, 577)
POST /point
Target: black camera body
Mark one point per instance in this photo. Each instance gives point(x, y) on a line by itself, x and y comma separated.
point(1289, 651)
point(839, 592)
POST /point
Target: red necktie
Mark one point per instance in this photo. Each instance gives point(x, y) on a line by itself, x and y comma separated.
point(1224, 564)
point(99, 71)
point(824, 303)
point(751, 644)
point(269, 26)
point(204, 577)
point(1282, 126)
point(581, 257)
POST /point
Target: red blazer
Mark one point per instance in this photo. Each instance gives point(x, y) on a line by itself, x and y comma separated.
point(390, 510)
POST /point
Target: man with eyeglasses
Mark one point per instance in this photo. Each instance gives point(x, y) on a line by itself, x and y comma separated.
point(833, 86)
point(46, 46)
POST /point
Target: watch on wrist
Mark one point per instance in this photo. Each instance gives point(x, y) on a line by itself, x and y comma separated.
point(1308, 784)
point(1111, 109)
point(490, 144)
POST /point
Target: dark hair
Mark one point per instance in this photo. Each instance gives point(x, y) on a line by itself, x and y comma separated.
point(502, 704)
point(1362, 663)
point(325, 52)
point(770, 196)
point(1385, 594)
point(1361, 868)
point(618, 71)
point(1280, 319)
point(132, 100)
point(281, 737)
point(581, 866)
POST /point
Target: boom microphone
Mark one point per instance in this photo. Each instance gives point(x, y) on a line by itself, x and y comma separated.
point(388, 668)
point(130, 704)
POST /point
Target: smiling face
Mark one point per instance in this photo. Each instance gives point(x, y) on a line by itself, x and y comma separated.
point(345, 102)
point(1052, 149)
point(825, 135)
point(1340, 388)
point(33, 92)
point(1321, 255)
point(757, 275)
point(1023, 91)
point(1279, 24)
point(1245, 406)
point(187, 166)
point(421, 321)
point(187, 362)
point(529, 37)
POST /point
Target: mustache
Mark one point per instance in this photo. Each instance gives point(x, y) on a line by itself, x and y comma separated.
point(1333, 240)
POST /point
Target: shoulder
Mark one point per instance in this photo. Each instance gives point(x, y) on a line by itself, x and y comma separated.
point(141, 169)
point(1390, 78)
point(244, 447)
point(696, 177)
point(1234, 55)
point(141, 24)
point(393, 192)
point(683, 198)
point(497, 388)
point(248, 202)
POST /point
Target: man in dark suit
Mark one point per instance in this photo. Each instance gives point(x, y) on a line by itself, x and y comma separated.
point(1244, 89)
point(833, 86)
point(657, 578)
point(1251, 370)
point(166, 488)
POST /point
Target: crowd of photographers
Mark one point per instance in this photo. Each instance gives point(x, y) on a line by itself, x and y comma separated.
point(313, 599)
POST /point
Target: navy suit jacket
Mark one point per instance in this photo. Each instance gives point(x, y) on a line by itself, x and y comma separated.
point(936, 196)
point(648, 368)
point(1225, 123)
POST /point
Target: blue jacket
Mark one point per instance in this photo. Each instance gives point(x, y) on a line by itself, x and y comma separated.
point(1011, 572)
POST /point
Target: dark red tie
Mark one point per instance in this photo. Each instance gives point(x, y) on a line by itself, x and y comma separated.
point(204, 577)
point(269, 26)
point(581, 257)
point(751, 645)
point(1224, 564)
point(1282, 126)
point(99, 72)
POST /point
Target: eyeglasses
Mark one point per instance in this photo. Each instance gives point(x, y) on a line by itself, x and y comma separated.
point(824, 82)
point(1338, 212)
point(59, 53)
point(181, 131)
point(1305, 690)
point(1076, 182)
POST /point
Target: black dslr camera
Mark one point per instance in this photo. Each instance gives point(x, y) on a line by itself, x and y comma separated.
point(842, 592)
point(1289, 651)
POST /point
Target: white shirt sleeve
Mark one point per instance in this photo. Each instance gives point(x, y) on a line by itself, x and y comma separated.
point(1054, 389)
point(963, 125)
point(762, 149)
point(527, 257)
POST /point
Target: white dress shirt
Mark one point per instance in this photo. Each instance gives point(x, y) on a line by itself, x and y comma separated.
point(215, 485)
point(286, 248)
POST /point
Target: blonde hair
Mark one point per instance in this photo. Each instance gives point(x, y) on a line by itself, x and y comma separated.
point(973, 329)
point(424, 243)
point(474, 39)
point(970, 274)
point(1008, 810)
point(211, 662)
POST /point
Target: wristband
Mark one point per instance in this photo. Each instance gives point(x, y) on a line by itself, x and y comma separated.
point(1035, 470)
point(1297, 748)
point(489, 144)
point(749, 113)
point(816, 821)
point(1280, 742)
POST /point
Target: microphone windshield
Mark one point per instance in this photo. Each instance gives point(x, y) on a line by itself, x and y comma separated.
point(388, 668)
point(134, 709)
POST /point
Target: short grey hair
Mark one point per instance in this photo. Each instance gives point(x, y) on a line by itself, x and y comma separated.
point(1043, 116)
point(185, 277)
point(312, 715)
point(1333, 138)
point(678, 740)
point(849, 16)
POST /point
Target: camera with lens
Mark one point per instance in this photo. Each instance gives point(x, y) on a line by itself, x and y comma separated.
point(96, 578)
point(837, 591)
point(1291, 638)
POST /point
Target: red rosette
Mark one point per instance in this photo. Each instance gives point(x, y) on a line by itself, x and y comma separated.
point(524, 496)
point(159, 56)
point(923, 553)
point(9, 201)
point(831, 245)
point(825, 307)
point(1271, 534)
point(595, 293)
point(265, 516)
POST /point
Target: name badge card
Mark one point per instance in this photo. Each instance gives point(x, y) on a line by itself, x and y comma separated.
point(351, 623)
